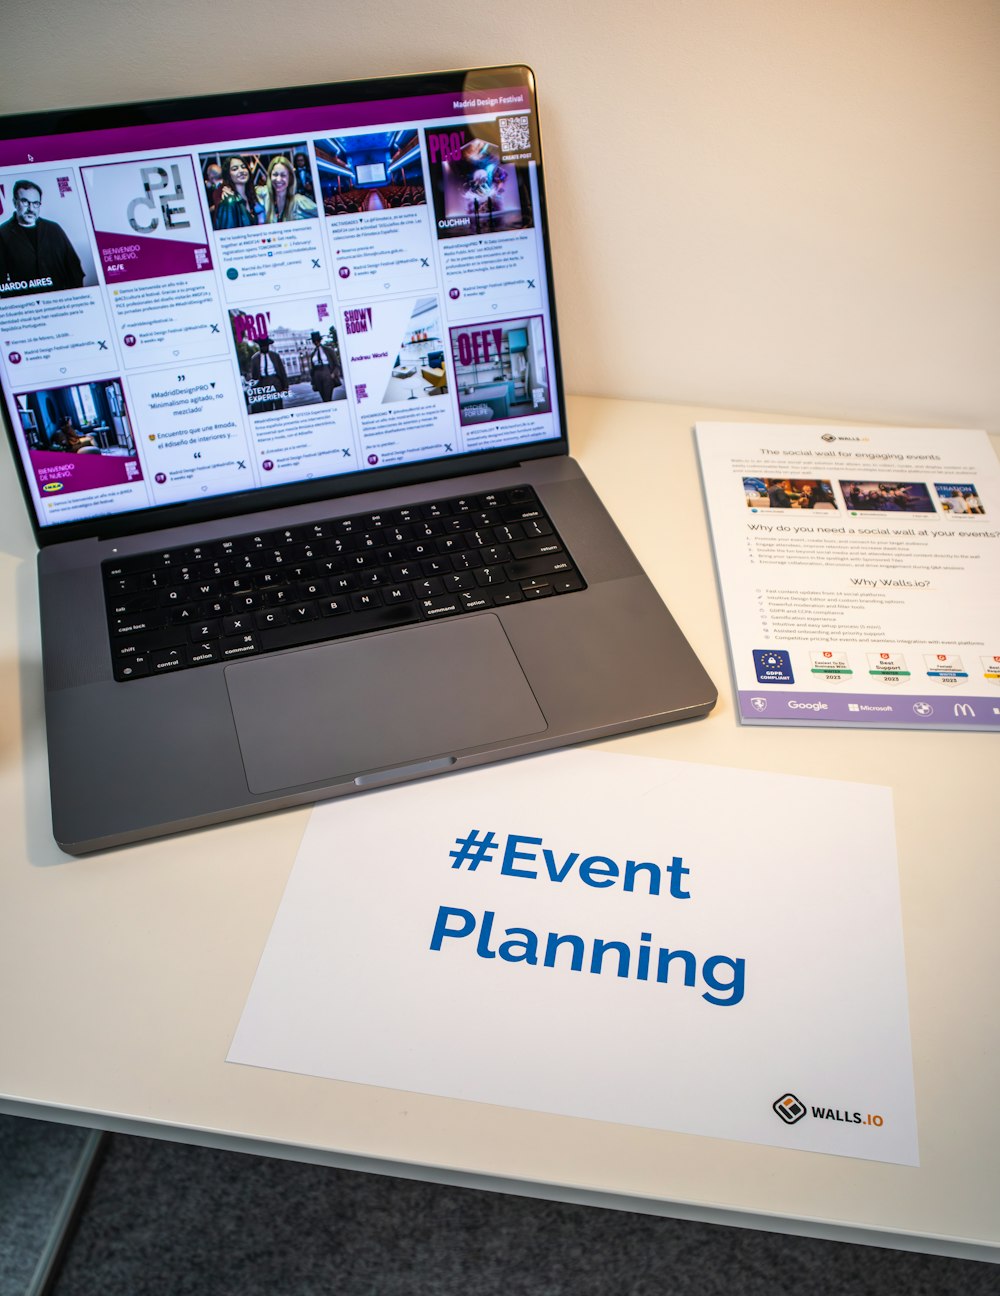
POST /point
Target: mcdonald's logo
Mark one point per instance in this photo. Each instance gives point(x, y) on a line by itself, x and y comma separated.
point(964, 709)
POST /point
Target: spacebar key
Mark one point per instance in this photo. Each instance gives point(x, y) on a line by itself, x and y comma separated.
point(306, 632)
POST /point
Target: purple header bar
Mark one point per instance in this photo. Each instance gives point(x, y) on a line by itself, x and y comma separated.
point(204, 131)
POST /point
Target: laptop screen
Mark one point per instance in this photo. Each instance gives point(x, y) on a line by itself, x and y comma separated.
point(273, 296)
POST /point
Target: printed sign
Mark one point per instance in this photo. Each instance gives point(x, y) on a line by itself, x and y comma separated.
point(585, 934)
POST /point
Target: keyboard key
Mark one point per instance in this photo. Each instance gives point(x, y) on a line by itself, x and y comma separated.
point(203, 654)
point(165, 659)
point(445, 605)
point(508, 534)
point(495, 554)
point(238, 646)
point(135, 669)
point(535, 548)
point(131, 626)
point(530, 567)
point(240, 624)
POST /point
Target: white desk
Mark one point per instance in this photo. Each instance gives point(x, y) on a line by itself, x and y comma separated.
point(122, 976)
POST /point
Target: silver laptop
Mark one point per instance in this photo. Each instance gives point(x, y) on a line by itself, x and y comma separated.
point(281, 375)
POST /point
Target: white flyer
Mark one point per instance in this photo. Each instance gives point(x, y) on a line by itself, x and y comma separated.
point(584, 933)
point(860, 572)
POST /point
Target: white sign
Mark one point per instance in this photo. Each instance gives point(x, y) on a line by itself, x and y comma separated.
point(707, 950)
point(858, 567)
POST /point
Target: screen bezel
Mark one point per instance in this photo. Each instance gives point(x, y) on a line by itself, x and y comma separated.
point(30, 126)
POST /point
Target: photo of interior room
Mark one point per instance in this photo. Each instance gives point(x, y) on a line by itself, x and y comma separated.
point(369, 173)
point(500, 370)
point(90, 418)
point(419, 369)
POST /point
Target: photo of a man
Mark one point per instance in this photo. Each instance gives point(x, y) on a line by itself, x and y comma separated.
point(268, 379)
point(324, 367)
point(35, 254)
point(288, 354)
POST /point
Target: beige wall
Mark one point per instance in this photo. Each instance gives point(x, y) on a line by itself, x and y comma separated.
point(790, 205)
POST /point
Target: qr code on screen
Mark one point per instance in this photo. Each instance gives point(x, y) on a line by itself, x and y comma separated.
point(515, 135)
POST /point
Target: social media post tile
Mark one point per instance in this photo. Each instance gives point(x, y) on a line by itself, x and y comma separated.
point(381, 252)
point(311, 441)
point(374, 195)
point(60, 336)
point(288, 354)
point(259, 184)
point(80, 439)
point(493, 436)
point(272, 259)
point(147, 219)
point(161, 321)
point(491, 274)
point(501, 371)
point(396, 353)
point(791, 492)
point(193, 436)
point(45, 242)
point(960, 499)
point(93, 503)
point(402, 433)
point(478, 184)
point(885, 497)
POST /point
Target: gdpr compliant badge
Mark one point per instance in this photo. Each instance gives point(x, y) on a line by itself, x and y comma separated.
point(773, 666)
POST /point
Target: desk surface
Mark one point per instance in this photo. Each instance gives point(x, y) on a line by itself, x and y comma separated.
point(123, 976)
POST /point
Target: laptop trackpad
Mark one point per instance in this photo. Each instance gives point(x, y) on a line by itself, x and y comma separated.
point(341, 709)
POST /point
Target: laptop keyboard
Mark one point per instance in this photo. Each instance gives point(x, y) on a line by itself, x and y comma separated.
point(262, 592)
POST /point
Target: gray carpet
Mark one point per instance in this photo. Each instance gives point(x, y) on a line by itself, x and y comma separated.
point(163, 1219)
point(37, 1166)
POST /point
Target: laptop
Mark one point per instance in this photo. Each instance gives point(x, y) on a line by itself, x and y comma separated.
point(281, 376)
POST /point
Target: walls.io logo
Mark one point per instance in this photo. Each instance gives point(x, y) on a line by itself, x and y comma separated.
point(789, 1108)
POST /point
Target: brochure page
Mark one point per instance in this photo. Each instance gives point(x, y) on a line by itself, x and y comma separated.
point(859, 570)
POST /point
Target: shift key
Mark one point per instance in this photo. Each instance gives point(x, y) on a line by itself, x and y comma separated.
point(543, 566)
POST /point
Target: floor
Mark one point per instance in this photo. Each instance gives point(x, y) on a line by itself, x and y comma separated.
point(166, 1218)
